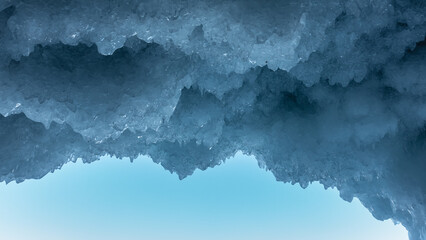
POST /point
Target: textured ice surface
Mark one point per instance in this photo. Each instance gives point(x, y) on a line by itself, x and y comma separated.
point(330, 91)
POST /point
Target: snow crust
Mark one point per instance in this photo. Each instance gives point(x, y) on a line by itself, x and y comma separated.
point(330, 91)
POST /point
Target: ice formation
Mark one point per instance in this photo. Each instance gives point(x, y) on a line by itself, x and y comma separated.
point(317, 90)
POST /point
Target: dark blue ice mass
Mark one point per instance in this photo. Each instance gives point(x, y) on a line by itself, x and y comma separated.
point(317, 90)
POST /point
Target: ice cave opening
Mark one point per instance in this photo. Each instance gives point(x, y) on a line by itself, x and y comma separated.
point(115, 199)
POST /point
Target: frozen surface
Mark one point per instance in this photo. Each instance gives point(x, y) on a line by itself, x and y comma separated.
point(330, 91)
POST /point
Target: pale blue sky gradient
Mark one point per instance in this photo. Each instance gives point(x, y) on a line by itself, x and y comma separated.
point(116, 199)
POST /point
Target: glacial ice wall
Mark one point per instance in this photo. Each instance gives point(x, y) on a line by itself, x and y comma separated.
point(317, 90)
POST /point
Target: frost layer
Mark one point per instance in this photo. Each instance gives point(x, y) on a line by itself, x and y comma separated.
point(330, 91)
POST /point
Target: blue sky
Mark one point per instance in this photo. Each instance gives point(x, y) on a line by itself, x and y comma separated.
point(116, 199)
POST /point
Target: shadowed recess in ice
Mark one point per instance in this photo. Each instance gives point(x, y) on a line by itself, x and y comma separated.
point(330, 91)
